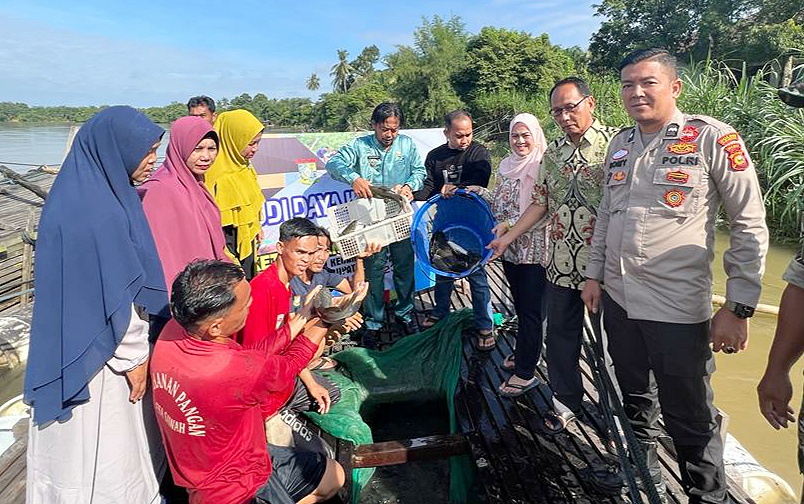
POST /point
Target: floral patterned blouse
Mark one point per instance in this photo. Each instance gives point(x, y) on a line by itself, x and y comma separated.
point(528, 248)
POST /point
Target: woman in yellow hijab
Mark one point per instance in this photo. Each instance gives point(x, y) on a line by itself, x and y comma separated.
point(232, 181)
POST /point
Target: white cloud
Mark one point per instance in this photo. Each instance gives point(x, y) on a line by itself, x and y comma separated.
point(43, 66)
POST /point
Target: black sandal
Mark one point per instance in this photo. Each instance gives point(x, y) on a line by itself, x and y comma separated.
point(486, 341)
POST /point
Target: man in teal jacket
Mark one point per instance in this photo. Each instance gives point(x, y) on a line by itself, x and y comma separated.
point(387, 159)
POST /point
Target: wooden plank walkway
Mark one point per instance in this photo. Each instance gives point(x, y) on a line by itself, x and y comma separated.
point(516, 460)
point(20, 209)
point(12, 467)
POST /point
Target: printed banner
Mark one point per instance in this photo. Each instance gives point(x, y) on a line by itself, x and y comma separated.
point(291, 171)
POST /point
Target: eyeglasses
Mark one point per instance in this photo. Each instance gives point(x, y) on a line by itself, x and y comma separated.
point(569, 109)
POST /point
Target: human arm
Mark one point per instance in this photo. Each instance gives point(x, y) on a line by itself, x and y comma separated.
point(131, 356)
point(429, 184)
point(733, 174)
point(480, 191)
point(595, 264)
point(506, 233)
point(318, 392)
point(303, 316)
point(344, 166)
point(775, 389)
point(275, 372)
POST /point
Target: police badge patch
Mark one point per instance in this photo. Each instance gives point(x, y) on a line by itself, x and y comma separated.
point(682, 148)
point(674, 197)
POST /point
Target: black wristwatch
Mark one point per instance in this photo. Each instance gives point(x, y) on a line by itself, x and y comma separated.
point(742, 311)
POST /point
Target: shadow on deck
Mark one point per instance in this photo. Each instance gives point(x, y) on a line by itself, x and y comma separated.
point(516, 460)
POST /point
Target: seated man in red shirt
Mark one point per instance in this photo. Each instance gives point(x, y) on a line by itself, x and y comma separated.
point(210, 395)
point(269, 317)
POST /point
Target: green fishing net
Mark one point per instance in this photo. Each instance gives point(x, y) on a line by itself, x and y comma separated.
point(424, 365)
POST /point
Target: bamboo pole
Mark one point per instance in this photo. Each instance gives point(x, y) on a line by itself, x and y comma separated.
point(761, 308)
point(27, 258)
point(20, 180)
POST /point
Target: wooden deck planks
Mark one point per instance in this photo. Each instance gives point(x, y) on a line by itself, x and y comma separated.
point(516, 460)
point(19, 207)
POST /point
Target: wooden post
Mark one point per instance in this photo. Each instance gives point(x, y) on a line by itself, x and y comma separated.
point(19, 179)
point(27, 260)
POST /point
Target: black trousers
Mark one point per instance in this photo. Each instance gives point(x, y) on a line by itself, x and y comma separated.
point(527, 288)
point(665, 367)
point(564, 332)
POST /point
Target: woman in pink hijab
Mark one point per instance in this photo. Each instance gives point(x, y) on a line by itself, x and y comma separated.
point(513, 194)
point(183, 216)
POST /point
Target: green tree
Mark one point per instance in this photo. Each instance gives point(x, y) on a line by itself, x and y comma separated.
point(313, 83)
point(348, 111)
point(166, 114)
point(420, 77)
point(363, 65)
point(629, 24)
point(504, 60)
point(341, 72)
point(758, 43)
point(756, 31)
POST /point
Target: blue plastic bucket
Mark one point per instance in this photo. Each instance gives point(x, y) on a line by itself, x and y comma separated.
point(466, 221)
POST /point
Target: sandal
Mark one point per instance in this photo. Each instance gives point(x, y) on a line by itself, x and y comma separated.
point(324, 364)
point(517, 389)
point(486, 341)
point(429, 322)
point(509, 363)
point(557, 422)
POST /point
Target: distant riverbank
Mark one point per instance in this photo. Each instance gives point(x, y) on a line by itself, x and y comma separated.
point(24, 146)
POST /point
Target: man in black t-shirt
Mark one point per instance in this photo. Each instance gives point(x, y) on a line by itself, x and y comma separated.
point(460, 162)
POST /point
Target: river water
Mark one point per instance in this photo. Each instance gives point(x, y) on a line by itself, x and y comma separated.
point(735, 381)
point(24, 146)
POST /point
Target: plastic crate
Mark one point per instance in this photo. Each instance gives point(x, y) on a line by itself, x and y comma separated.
point(372, 214)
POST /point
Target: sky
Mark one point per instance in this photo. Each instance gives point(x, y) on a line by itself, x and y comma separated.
point(152, 53)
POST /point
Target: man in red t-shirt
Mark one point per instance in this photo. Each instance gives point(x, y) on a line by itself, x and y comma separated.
point(269, 318)
point(210, 394)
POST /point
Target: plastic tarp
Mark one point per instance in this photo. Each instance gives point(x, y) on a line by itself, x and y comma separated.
point(424, 365)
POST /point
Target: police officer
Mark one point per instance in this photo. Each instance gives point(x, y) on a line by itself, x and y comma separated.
point(775, 389)
point(388, 159)
point(653, 244)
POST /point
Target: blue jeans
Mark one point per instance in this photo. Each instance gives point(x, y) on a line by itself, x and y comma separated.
point(481, 298)
point(401, 255)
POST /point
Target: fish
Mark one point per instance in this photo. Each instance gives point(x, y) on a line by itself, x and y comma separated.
point(389, 196)
point(448, 256)
point(333, 310)
point(352, 227)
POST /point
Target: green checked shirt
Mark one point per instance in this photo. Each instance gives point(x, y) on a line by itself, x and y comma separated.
point(570, 185)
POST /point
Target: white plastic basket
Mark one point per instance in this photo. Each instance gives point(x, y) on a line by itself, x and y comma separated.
point(367, 211)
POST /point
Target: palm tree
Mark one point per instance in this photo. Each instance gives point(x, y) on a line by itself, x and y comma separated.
point(313, 83)
point(342, 72)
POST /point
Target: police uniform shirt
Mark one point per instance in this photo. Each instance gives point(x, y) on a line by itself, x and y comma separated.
point(654, 238)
